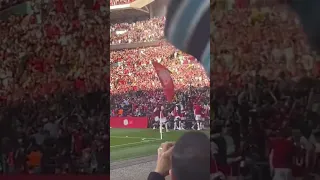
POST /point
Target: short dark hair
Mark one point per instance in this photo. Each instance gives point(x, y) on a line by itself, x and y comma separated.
point(216, 128)
point(191, 157)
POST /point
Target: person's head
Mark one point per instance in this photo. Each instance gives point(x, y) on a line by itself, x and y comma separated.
point(216, 128)
point(285, 133)
point(227, 127)
point(191, 157)
point(317, 136)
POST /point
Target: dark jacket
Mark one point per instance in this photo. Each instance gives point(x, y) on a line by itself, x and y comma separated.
point(155, 176)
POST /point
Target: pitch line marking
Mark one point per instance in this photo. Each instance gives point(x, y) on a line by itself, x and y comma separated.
point(140, 142)
point(128, 137)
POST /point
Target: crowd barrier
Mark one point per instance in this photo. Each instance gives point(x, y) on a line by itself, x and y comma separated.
point(129, 122)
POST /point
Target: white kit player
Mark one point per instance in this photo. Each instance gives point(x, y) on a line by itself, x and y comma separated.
point(156, 114)
point(163, 119)
point(182, 117)
point(197, 115)
point(206, 114)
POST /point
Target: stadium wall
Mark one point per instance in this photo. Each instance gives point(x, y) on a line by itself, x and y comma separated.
point(129, 122)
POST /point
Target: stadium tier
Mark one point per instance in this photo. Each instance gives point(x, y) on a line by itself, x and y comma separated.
point(132, 69)
point(42, 56)
point(52, 84)
point(273, 38)
point(141, 31)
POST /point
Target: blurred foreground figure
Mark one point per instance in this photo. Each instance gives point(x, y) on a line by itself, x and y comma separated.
point(186, 159)
point(188, 29)
point(308, 11)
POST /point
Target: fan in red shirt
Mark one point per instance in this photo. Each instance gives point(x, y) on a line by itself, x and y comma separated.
point(214, 170)
point(37, 65)
point(316, 167)
point(80, 84)
point(281, 156)
point(77, 142)
point(59, 6)
point(183, 113)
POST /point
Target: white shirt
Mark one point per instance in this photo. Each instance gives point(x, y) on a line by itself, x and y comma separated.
point(52, 128)
point(276, 53)
point(307, 62)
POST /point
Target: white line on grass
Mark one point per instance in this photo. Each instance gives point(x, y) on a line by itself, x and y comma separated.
point(141, 142)
point(124, 137)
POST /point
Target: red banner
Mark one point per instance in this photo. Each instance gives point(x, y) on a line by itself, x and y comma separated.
point(128, 122)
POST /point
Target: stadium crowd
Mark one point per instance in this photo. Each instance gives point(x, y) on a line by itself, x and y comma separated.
point(64, 134)
point(141, 31)
point(132, 69)
point(120, 2)
point(265, 94)
point(51, 71)
point(136, 89)
point(275, 48)
point(54, 53)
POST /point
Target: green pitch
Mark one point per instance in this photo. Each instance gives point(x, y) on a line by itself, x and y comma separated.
point(133, 143)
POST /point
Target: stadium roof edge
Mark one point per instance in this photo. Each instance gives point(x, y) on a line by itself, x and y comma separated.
point(120, 7)
point(138, 4)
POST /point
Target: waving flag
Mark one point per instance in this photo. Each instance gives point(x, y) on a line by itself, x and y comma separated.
point(165, 79)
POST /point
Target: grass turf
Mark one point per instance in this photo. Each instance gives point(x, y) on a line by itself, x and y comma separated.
point(133, 143)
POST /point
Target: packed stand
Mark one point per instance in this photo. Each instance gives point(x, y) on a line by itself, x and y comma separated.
point(140, 31)
point(265, 97)
point(64, 134)
point(241, 4)
point(120, 2)
point(132, 69)
point(54, 64)
point(264, 42)
point(56, 50)
point(137, 91)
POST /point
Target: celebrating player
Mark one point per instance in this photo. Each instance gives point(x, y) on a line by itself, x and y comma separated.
point(163, 119)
